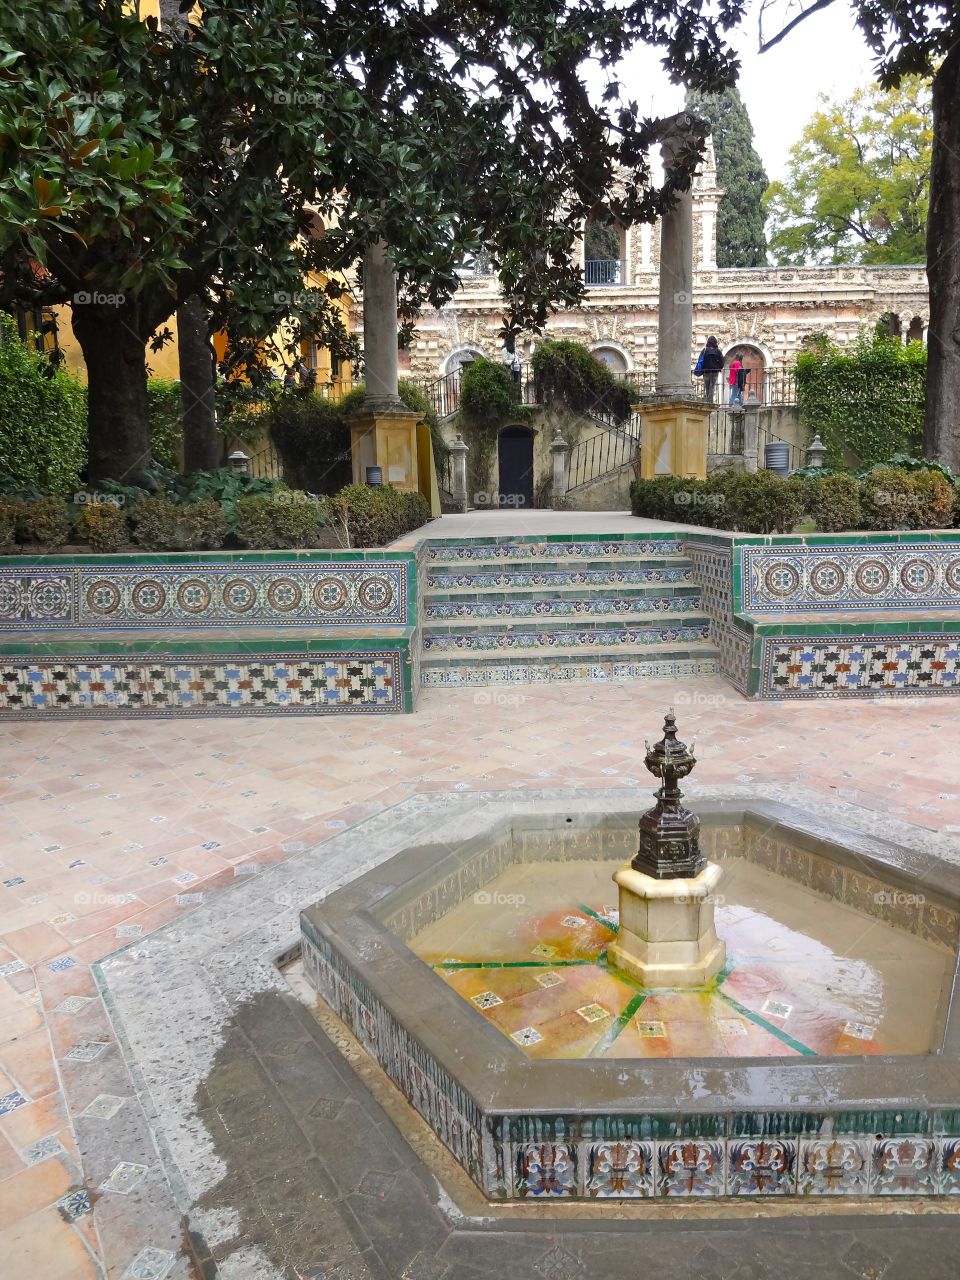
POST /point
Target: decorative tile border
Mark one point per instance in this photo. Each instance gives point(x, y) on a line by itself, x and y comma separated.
point(867, 575)
point(517, 638)
point(145, 685)
point(713, 569)
point(550, 549)
point(845, 666)
point(223, 594)
point(559, 607)
point(552, 578)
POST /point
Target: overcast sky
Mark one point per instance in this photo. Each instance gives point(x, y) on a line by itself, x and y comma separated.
point(825, 54)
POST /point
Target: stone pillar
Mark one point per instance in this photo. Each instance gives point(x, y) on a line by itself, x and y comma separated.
point(459, 449)
point(380, 329)
point(383, 431)
point(558, 447)
point(675, 339)
point(751, 437)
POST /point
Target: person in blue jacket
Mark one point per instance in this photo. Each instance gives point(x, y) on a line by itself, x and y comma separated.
point(709, 365)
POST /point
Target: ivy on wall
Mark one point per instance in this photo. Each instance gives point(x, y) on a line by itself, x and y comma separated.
point(866, 400)
point(43, 417)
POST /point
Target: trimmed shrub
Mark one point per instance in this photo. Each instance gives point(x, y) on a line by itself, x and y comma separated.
point(289, 518)
point(759, 502)
point(43, 417)
point(834, 501)
point(488, 396)
point(103, 525)
point(45, 521)
point(9, 515)
point(162, 525)
point(254, 522)
point(567, 372)
point(934, 499)
point(887, 498)
point(373, 515)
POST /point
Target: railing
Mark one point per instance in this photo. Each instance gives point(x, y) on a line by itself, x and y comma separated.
point(265, 463)
point(444, 392)
point(603, 271)
point(600, 455)
point(725, 433)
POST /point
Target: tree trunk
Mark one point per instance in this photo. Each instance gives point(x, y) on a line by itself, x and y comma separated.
point(941, 432)
point(202, 446)
point(118, 421)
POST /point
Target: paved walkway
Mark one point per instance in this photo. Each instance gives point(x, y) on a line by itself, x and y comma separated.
point(113, 829)
point(529, 524)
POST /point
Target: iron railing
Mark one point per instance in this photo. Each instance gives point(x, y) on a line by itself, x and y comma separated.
point(444, 392)
point(603, 271)
point(725, 433)
point(600, 455)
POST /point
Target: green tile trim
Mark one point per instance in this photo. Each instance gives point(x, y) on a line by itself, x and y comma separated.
point(617, 1025)
point(614, 928)
point(760, 1021)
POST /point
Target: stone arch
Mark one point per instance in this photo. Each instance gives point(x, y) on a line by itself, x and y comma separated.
point(758, 362)
point(460, 355)
point(613, 354)
point(915, 329)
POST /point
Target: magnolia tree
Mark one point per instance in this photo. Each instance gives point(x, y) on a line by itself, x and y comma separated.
point(220, 159)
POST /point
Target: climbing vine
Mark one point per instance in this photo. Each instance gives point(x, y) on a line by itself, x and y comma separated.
point(867, 399)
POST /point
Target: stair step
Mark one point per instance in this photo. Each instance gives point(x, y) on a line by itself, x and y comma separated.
point(668, 661)
point(537, 613)
point(524, 638)
point(612, 593)
point(511, 574)
point(496, 550)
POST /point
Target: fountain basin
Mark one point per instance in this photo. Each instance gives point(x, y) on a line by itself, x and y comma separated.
point(834, 1088)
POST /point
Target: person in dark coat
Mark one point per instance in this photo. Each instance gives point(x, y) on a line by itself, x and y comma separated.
point(710, 363)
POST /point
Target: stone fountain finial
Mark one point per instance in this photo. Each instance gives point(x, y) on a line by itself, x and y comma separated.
point(669, 846)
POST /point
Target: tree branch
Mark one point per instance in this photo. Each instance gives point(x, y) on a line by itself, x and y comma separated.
point(766, 45)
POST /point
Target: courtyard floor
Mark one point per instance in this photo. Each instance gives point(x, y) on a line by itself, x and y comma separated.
point(113, 830)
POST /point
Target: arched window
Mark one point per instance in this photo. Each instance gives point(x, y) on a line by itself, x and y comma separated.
point(915, 332)
point(888, 326)
point(615, 360)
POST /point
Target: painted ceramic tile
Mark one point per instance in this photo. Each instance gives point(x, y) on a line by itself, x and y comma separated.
point(691, 1168)
point(833, 1166)
point(762, 1167)
point(546, 1169)
point(950, 1167)
point(621, 1169)
point(904, 1166)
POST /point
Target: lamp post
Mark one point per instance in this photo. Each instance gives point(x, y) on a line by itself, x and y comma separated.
point(239, 461)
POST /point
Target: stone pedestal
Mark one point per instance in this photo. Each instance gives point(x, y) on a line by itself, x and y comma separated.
point(385, 439)
point(673, 439)
point(667, 935)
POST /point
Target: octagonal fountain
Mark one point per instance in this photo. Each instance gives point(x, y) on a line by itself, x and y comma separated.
point(741, 1003)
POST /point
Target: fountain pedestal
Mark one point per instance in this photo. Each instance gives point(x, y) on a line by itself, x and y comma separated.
point(667, 936)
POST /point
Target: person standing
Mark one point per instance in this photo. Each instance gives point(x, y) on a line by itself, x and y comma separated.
point(735, 383)
point(710, 363)
point(511, 359)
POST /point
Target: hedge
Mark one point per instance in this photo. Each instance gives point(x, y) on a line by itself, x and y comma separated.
point(43, 418)
point(883, 497)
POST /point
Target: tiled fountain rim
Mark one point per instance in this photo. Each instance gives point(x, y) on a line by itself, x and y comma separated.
point(502, 1080)
point(172, 995)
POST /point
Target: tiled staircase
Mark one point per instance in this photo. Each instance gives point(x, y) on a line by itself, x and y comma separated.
point(518, 610)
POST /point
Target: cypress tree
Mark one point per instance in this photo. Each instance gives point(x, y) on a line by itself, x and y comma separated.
point(741, 238)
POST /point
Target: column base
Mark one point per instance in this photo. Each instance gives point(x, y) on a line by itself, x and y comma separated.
point(673, 438)
point(386, 438)
point(667, 934)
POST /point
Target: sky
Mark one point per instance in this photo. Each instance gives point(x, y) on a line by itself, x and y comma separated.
point(825, 54)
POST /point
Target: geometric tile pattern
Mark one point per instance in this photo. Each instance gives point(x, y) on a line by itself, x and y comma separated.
point(520, 672)
point(796, 665)
point(713, 573)
point(142, 684)
point(478, 641)
point(212, 594)
point(791, 578)
point(549, 579)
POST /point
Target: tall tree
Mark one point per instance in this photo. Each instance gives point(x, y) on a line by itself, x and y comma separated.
point(741, 238)
point(858, 181)
point(141, 168)
point(202, 446)
point(906, 37)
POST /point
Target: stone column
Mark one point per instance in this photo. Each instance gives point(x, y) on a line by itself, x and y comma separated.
point(380, 328)
point(675, 338)
point(558, 447)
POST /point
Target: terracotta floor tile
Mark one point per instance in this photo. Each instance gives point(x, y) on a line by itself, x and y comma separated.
point(46, 1248)
point(33, 1189)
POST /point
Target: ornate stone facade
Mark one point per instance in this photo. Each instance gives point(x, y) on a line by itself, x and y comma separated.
point(768, 310)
